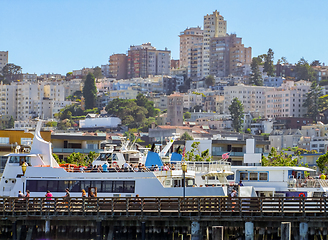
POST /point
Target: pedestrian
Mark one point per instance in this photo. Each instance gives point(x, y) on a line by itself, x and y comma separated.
point(27, 196)
point(48, 198)
point(240, 183)
point(84, 194)
point(20, 194)
point(233, 195)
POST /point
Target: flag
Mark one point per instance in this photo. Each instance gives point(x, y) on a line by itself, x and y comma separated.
point(225, 155)
point(184, 152)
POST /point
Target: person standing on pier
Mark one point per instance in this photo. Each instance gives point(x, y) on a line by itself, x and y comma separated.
point(48, 198)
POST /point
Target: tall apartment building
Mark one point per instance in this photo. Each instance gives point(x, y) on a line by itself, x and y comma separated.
point(25, 100)
point(144, 60)
point(175, 109)
point(191, 42)
point(228, 56)
point(118, 66)
point(214, 26)
point(287, 100)
point(3, 59)
point(252, 97)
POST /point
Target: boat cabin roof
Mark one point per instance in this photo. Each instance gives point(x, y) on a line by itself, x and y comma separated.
point(270, 168)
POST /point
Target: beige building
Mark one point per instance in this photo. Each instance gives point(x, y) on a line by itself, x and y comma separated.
point(252, 97)
point(175, 109)
point(214, 26)
point(191, 42)
point(3, 59)
point(287, 100)
point(118, 66)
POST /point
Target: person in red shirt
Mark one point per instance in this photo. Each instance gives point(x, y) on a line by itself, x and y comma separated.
point(48, 198)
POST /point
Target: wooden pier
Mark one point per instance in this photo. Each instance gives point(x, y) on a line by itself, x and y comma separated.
point(193, 216)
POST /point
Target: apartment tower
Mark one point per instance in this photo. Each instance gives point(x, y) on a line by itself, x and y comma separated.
point(191, 42)
point(118, 66)
point(214, 26)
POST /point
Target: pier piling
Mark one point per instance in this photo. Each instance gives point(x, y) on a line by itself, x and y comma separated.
point(285, 231)
point(249, 231)
point(217, 233)
point(304, 228)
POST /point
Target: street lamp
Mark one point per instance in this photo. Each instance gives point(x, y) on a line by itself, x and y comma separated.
point(184, 170)
point(24, 166)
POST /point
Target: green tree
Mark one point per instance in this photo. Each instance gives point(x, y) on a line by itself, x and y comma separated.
point(312, 101)
point(11, 72)
point(268, 63)
point(97, 72)
point(304, 71)
point(255, 77)
point(237, 113)
point(209, 81)
point(322, 163)
point(51, 124)
point(315, 63)
point(90, 91)
point(186, 136)
point(187, 115)
point(279, 159)
point(11, 123)
point(195, 155)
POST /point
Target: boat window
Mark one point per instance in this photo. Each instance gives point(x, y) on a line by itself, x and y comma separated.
point(129, 186)
point(243, 176)
point(107, 186)
point(14, 159)
point(77, 186)
point(190, 182)
point(253, 176)
point(118, 186)
point(264, 176)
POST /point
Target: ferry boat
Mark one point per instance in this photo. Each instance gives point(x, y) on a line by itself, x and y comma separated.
point(38, 171)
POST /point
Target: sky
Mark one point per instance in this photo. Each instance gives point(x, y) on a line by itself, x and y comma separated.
point(58, 36)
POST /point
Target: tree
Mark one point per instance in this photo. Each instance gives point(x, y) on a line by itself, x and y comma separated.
point(255, 77)
point(268, 63)
point(187, 115)
point(304, 71)
point(315, 63)
point(209, 81)
point(90, 91)
point(237, 113)
point(186, 136)
point(11, 123)
point(195, 155)
point(11, 72)
point(322, 163)
point(312, 101)
point(279, 159)
point(97, 72)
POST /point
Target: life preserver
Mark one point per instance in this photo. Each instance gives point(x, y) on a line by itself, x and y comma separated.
point(114, 164)
point(301, 195)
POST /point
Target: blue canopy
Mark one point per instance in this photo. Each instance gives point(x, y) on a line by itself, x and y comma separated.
point(153, 159)
point(176, 157)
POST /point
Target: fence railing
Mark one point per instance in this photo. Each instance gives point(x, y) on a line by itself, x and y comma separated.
point(200, 206)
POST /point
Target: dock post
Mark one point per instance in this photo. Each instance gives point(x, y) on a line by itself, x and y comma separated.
point(217, 233)
point(304, 231)
point(14, 231)
point(47, 228)
point(249, 231)
point(143, 231)
point(286, 231)
point(195, 231)
point(98, 230)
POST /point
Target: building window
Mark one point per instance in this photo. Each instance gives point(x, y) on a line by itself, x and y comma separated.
point(4, 140)
point(26, 141)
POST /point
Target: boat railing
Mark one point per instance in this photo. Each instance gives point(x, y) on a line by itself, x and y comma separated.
point(223, 166)
point(306, 183)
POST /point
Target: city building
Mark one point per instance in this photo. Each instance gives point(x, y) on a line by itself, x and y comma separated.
point(214, 26)
point(144, 60)
point(105, 70)
point(118, 66)
point(191, 42)
point(228, 56)
point(3, 59)
point(175, 109)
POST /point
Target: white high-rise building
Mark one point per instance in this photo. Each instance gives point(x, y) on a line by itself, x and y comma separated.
point(214, 26)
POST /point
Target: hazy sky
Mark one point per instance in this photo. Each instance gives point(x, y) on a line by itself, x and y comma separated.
point(58, 36)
